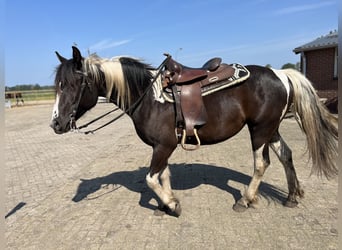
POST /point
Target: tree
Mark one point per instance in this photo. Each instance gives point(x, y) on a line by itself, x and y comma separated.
point(298, 66)
point(289, 66)
point(23, 87)
point(268, 65)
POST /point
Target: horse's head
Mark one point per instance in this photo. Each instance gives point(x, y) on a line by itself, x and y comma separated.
point(75, 92)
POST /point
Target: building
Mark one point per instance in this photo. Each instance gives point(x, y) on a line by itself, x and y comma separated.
point(319, 63)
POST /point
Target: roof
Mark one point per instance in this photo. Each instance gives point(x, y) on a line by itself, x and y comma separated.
point(328, 41)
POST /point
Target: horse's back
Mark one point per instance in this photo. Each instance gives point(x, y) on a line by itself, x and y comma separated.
point(261, 99)
point(268, 95)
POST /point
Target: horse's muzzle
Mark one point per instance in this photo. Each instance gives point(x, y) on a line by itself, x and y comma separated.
point(57, 126)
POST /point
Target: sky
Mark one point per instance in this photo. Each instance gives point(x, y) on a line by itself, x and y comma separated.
point(248, 32)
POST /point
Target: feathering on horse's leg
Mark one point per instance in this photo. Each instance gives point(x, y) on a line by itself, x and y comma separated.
point(166, 197)
point(165, 180)
point(261, 162)
point(159, 169)
point(284, 154)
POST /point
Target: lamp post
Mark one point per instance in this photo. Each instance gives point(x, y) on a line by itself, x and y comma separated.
point(176, 54)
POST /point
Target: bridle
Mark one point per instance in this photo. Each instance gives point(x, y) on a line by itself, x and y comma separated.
point(74, 111)
point(129, 111)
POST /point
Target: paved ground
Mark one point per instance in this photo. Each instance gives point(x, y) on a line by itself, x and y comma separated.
point(75, 191)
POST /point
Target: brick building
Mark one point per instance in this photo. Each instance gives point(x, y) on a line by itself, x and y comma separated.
point(318, 62)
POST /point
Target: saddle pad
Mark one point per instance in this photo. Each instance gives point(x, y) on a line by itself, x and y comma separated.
point(240, 74)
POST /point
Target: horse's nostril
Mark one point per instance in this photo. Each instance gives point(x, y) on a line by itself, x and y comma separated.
point(55, 124)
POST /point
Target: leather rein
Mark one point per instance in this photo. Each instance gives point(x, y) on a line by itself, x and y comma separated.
point(74, 111)
point(129, 111)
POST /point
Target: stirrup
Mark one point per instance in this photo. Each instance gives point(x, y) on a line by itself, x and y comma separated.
point(192, 147)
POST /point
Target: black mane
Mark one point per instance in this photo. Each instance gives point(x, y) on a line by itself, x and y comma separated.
point(138, 75)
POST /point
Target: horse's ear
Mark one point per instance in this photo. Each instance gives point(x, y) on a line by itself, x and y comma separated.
point(60, 58)
point(77, 57)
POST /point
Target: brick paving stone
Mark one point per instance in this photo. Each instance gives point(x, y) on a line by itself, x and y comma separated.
point(107, 172)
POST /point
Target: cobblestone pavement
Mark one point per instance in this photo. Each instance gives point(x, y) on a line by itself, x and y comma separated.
point(78, 191)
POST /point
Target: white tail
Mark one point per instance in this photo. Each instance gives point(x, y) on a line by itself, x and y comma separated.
point(319, 125)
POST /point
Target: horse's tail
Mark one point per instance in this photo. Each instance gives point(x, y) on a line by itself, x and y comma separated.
point(318, 124)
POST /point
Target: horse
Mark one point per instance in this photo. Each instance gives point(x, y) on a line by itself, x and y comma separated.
point(260, 102)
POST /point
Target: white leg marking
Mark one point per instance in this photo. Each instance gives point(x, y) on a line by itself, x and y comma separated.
point(259, 169)
point(276, 146)
point(259, 163)
point(165, 179)
point(283, 78)
point(153, 183)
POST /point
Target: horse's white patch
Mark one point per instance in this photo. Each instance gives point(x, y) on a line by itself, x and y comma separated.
point(157, 88)
point(259, 169)
point(259, 162)
point(55, 111)
point(276, 146)
point(165, 179)
point(283, 78)
point(153, 183)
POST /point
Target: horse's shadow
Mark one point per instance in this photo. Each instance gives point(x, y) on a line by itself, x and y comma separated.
point(184, 177)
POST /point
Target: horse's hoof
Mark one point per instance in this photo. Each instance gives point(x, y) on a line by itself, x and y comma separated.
point(237, 207)
point(174, 209)
point(178, 210)
point(291, 203)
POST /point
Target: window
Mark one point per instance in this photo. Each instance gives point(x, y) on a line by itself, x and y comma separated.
point(303, 63)
point(336, 63)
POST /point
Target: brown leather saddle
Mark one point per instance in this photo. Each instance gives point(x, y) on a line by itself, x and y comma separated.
point(187, 85)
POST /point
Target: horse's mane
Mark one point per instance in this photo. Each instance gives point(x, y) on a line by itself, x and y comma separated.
point(126, 78)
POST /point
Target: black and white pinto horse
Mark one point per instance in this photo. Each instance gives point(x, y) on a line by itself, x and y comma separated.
point(261, 102)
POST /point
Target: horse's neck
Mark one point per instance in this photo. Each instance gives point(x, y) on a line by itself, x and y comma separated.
point(142, 107)
point(101, 89)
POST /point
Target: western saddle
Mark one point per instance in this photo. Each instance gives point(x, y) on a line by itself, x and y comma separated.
point(186, 85)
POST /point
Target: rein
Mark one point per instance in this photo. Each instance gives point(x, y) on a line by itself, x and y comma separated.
point(74, 111)
point(128, 111)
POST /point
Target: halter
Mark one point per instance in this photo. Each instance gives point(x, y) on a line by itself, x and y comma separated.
point(74, 111)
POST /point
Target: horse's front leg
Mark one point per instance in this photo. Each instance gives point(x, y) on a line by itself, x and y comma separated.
point(158, 169)
point(165, 181)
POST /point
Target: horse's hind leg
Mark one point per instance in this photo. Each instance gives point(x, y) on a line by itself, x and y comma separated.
point(284, 154)
point(158, 169)
point(261, 162)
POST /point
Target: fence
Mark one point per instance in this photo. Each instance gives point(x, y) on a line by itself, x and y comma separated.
point(17, 98)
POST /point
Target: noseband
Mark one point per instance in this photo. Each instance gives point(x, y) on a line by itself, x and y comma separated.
point(74, 111)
